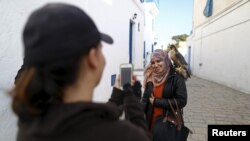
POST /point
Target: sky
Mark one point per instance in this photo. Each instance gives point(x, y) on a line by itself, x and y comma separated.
point(175, 18)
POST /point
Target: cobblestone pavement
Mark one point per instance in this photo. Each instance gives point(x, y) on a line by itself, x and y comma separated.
point(212, 103)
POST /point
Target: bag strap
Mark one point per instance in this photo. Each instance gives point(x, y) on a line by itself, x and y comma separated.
point(176, 113)
point(179, 112)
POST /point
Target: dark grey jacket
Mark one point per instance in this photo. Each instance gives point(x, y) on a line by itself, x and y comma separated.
point(85, 121)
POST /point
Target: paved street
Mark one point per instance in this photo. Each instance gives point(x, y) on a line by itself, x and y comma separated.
point(211, 103)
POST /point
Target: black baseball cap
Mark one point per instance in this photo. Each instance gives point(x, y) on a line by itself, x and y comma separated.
point(57, 31)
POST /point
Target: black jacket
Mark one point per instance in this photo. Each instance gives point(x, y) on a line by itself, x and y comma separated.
point(175, 87)
point(85, 121)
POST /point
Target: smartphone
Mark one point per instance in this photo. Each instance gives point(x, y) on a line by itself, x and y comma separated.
point(126, 71)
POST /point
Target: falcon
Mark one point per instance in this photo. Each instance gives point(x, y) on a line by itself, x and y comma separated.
point(180, 65)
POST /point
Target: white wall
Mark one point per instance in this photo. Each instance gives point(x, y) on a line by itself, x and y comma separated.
point(220, 48)
point(218, 7)
point(115, 20)
point(148, 36)
point(149, 41)
point(111, 16)
point(183, 49)
point(151, 11)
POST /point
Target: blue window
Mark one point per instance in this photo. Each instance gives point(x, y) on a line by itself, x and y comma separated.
point(208, 11)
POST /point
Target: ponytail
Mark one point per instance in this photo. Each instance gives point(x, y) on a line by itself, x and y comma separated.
point(33, 94)
point(21, 104)
point(40, 86)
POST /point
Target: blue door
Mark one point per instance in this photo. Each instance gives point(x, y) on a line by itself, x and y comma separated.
point(130, 40)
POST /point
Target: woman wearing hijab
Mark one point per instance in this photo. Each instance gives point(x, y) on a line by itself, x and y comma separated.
point(162, 86)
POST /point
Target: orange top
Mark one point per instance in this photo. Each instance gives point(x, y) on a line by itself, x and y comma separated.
point(157, 110)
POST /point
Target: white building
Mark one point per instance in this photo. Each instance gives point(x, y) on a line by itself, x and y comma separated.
point(151, 11)
point(220, 43)
point(183, 49)
point(122, 19)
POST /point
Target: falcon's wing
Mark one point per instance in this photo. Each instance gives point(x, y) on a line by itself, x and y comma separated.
point(181, 58)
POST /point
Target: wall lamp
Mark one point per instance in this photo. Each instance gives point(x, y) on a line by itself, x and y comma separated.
point(134, 16)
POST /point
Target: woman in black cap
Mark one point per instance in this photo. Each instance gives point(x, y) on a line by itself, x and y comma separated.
point(63, 63)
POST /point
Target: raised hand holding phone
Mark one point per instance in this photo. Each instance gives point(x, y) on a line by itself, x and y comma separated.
point(126, 73)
